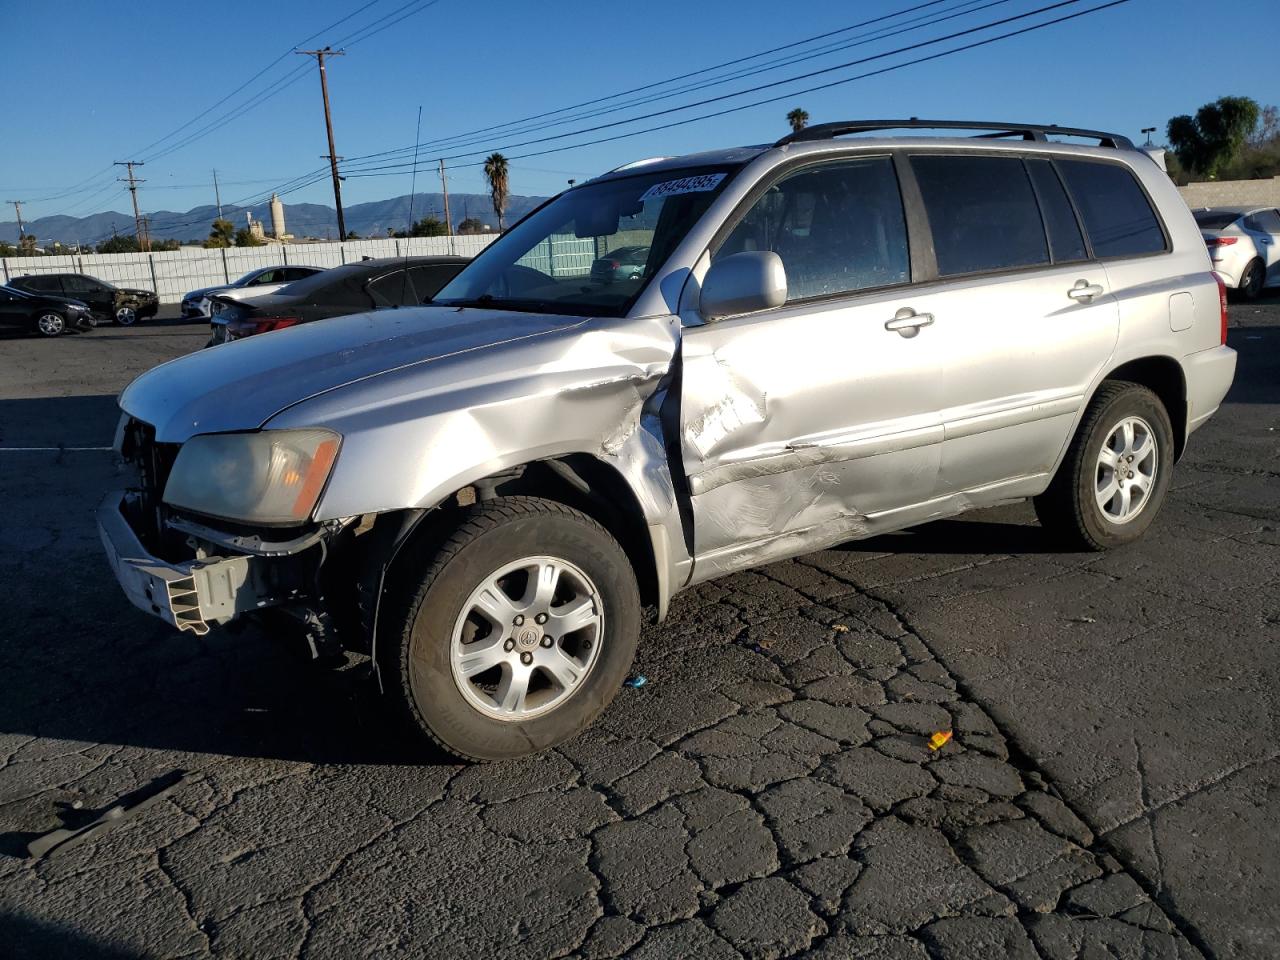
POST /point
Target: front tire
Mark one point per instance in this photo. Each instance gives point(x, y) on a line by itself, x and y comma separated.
point(51, 324)
point(514, 634)
point(126, 316)
point(1114, 478)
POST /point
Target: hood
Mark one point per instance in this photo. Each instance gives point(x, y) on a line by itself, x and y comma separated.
point(50, 298)
point(241, 385)
point(206, 292)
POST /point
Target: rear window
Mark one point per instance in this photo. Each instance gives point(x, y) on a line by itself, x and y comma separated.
point(1215, 219)
point(1116, 213)
point(982, 213)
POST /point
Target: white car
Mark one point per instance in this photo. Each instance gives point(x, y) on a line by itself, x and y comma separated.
point(1244, 245)
point(195, 305)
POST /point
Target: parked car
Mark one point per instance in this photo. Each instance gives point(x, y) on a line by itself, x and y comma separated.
point(109, 303)
point(352, 288)
point(831, 339)
point(255, 283)
point(37, 313)
point(1244, 244)
point(624, 263)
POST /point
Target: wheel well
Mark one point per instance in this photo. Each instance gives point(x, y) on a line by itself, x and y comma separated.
point(1162, 376)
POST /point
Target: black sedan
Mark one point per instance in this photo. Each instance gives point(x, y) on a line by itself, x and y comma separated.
point(47, 316)
point(123, 305)
point(352, 288)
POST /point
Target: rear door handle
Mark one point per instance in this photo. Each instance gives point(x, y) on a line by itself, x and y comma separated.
point(907, 323)
point(1084, 291)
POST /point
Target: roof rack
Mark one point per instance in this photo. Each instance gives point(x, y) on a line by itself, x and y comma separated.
point(996, 130)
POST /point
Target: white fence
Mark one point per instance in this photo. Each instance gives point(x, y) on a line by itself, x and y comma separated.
point(172, 273)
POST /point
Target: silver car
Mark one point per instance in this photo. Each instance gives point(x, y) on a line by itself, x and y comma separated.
point(196, 305)
point(831, 338)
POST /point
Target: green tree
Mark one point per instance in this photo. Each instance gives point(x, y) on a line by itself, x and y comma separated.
point(352, 235)
point(470, 226)
point(1214, 136)
point(221, 235)
point(7, 249)
point(119, 244)
point(245, 238)
point(27, 246)
point(428, 227)
point(798, 118)
point(495, 171)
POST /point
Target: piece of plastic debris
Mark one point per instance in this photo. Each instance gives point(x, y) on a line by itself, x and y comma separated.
point(939, 739)
point(61, 840)
point(639, 680)
point(839, 628)
point(1081, 620)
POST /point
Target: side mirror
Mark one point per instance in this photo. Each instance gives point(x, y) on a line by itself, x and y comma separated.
point(743, 283)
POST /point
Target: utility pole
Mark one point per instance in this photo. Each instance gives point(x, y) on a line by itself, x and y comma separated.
point(444, 185)
point(138, 233)
point(1148, 131)
point(217, 197)
point(328, 126)
point(17, 207)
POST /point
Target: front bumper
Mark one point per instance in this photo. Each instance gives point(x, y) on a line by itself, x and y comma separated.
point(192, 595)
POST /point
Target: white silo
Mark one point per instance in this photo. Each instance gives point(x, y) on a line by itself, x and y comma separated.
point(277, 217)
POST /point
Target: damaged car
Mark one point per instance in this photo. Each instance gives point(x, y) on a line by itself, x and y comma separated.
point(830, 337)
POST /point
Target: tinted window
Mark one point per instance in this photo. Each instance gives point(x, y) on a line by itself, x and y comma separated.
point(838, 227)
point(1116, 214)
point(391, 289)
point(982, 212)
point(41, 284)
point(1215, 219)
point(1270, 221)
point(1066, 243)
point(427, 281)
point(297, 273)
point(267, 276)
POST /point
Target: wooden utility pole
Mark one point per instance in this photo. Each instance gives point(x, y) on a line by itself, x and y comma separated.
point(17, 207)
point(444, 186)
point(217, 197)
point(328, 126)
point(139, 233)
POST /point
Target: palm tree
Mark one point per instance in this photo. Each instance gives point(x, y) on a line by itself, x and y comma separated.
point(798, 118)
point(495, 171)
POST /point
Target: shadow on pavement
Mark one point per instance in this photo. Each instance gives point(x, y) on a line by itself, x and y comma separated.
point(84, 421)
point(25, 938)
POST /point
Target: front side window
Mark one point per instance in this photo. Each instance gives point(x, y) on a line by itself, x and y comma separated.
point(982, 213)
point(837, 227)
point(1116, 213)
point(558, 259)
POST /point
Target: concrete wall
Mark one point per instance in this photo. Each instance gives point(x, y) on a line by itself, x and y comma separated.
point(173, 273)
point(1232, 193)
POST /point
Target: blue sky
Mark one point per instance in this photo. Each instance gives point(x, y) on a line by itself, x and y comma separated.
point(93, 82)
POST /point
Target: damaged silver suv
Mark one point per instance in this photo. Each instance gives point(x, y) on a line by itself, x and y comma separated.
point(829, 338)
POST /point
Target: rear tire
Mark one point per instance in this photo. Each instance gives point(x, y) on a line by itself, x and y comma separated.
point(469, 652)
point(1252, 280)
point(1116, 473)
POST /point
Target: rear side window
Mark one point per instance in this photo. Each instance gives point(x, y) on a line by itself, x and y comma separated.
point(837, 227)
point(1066, 243)
point(1116, 213)
point(428, 280)
point(47, 284)
point(982, 212)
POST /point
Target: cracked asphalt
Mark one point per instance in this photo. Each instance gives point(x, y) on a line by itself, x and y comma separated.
point(1110, 790)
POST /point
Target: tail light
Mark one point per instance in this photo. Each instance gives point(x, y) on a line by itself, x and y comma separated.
point(1222, 305)
point(1219, 241)
point(267, 324)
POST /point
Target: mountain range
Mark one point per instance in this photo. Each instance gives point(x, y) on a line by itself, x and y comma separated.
point(371, 219)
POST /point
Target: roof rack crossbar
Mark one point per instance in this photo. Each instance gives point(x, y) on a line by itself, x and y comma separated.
point(997, 129)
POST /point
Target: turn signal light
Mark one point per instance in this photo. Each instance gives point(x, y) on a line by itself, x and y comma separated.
point(1222, 305)
point(1219, 241)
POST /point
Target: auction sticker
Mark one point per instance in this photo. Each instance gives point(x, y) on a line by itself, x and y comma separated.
point(672, 188)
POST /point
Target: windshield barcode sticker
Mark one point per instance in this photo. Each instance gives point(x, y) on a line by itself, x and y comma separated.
point(671, 188)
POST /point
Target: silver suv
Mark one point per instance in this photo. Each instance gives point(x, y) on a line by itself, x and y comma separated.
point(829, 339)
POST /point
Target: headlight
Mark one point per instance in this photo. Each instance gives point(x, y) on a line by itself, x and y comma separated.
point(275, 476)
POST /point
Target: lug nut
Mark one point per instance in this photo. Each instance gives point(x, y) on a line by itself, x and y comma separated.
point(519, 620)
point(509, 646)
point(586, 643)
point(526, 658)
point(547, 641)
point(540, 618)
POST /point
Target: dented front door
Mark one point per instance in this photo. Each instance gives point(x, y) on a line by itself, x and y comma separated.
point(800, 423)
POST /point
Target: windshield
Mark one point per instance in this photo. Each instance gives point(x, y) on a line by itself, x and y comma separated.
point(244, 281)
point(1216, 219)
point(592, 250)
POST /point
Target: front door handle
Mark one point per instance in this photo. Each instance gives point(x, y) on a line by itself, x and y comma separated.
point(907, 323)
point(1084, 291)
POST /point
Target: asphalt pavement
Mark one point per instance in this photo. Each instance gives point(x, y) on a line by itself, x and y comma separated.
point(1110, 788)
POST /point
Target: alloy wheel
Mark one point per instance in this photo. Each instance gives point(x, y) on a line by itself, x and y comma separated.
point(1126, 470)
point(50, 324)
